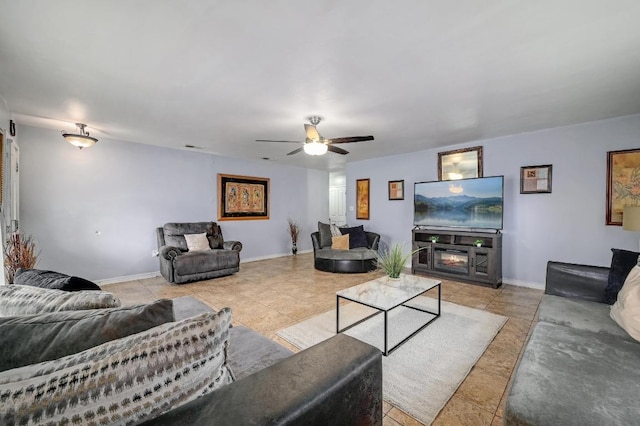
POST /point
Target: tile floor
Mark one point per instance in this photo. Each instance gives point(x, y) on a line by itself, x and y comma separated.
point(272, 294)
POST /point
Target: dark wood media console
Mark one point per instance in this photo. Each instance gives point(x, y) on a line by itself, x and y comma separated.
point(456, 256)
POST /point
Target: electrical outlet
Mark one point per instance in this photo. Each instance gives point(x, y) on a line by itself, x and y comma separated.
point(154, 253)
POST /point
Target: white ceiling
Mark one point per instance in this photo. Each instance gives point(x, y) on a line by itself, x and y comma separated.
point(220, 74)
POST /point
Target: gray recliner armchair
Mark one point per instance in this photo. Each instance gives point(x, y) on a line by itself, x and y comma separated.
point(179, 265)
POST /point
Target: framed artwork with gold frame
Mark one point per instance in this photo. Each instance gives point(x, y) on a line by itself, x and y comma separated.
point(623, 183)
point(362, 199)
point(242, 197)
point(460, 163)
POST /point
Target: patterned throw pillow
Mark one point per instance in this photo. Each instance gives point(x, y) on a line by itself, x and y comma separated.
point(335, 231)
point(125, 381)
point(27, 300)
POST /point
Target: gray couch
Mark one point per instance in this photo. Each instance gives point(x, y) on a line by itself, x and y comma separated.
point(338, 381)
point(356, 260)
point(178, 265)
point(578, 366)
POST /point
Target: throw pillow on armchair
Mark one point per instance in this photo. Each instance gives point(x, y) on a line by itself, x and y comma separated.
point(357, 236)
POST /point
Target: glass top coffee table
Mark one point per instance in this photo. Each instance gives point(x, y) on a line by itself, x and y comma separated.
point(385, 295)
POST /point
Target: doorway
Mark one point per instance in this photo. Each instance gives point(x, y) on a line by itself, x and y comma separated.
point(338, 198)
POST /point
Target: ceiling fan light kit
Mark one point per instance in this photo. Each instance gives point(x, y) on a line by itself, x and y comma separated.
point(315, 148)
point(81, 139)
point(315, 144)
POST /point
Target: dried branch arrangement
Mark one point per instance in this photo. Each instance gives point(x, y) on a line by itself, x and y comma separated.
point(19, 252)
point(294, 230)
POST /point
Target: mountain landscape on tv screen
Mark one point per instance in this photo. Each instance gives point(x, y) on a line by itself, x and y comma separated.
point(461, 203)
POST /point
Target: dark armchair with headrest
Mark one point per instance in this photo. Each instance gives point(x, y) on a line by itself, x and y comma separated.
point(179, 265)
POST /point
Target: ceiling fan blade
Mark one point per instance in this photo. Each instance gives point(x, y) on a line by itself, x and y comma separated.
point(268, 140)
point(295, 151)
point(337, 150)
point(312, 132)
point(350, 139)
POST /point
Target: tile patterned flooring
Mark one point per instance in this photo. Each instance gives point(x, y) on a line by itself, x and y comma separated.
point(272, 294)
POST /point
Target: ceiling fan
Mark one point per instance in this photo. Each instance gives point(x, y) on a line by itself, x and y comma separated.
point(315, 144)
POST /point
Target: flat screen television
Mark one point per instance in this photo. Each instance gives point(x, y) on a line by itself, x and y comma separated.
point(467, 203)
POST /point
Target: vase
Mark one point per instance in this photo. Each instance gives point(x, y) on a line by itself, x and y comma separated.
point(294, 249)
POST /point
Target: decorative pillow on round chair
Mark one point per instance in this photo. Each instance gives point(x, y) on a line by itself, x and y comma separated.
point(357, 236)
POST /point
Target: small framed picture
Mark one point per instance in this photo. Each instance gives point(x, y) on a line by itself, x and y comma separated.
point(396, 189)
point(535, 179)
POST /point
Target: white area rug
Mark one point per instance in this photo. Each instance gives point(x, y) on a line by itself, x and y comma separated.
point(422, 374)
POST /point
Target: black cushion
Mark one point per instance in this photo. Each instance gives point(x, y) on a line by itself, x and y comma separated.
point(357, 236)
point(621, 264)
point(325, 234)
point(52, 280)
point(30, 339)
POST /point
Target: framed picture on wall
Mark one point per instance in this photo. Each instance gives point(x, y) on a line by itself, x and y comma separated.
point(460, 163)
point(396, 189)
point(535, 179)
point(362, 199)
point(623, 183)
point(242, 197)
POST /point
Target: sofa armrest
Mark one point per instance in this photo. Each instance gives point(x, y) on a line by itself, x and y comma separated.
point(169, 252)
point(315, 239)
point(232, 245)
point(373, 240)
point(338, 381)
point(584, 282)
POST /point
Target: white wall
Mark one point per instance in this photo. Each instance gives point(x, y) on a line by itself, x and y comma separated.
point(566, 225)
point(125, 190)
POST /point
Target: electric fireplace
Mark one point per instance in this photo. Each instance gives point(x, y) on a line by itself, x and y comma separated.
point(451, 260)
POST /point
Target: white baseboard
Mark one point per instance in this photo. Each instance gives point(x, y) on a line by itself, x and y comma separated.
point(271, 256)
point(115, 280)
point(528, 284)
point(146, 275)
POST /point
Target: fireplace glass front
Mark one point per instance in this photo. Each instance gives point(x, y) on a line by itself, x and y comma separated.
point(452, 261)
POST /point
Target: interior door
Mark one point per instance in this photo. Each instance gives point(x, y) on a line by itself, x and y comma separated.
point(338, 205)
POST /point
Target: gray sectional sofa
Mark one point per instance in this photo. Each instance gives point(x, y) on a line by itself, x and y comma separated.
point(338, 381)
point(578, 366)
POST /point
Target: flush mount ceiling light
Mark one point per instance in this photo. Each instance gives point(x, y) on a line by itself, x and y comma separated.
point(80, 139)
point(315, 148)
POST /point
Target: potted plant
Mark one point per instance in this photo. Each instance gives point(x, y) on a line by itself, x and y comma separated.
point(478, 243)
point(19, 252)
point(294, 231)
point(434, 238)
point(392, 262)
